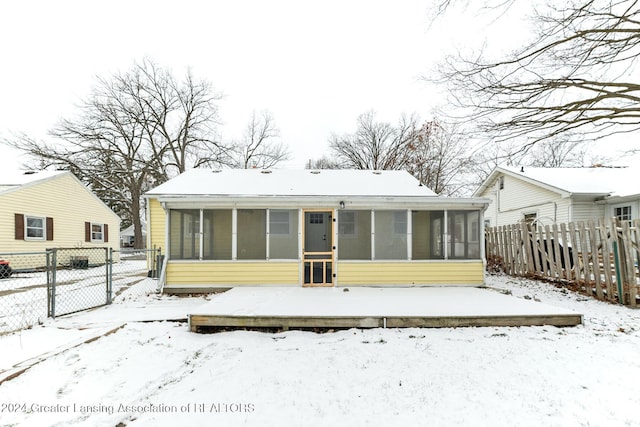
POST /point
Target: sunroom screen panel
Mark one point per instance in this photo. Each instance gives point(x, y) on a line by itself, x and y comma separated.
point(391, 234)
point(252, 234)
point(283, 234)
point(354, 235)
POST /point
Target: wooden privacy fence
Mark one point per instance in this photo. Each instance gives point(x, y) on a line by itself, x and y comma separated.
point(597, 257)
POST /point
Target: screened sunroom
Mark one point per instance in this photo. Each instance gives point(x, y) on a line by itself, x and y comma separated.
point(328, 228)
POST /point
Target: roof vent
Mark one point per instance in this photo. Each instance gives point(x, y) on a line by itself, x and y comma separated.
point(29, 173)
point(315, 172)
point(377, 173)
point(216, 171)
point(265, 171)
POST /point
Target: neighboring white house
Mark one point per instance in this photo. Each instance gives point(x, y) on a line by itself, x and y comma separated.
point(127, 236)
point(557, 195)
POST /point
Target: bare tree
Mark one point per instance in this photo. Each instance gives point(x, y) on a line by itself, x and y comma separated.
point(557, 153)
point(134, 131)
point(579, 74)
point(259, 147)
point(440, 159)
point(434, 153)
point(375, 145)
point(324, 162)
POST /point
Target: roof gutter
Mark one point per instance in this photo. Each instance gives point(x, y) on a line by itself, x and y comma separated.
point(350, 202)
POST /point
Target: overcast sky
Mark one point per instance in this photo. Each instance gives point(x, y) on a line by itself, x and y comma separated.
point(315, 65)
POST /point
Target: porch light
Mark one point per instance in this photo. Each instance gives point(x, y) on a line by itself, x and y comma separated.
point(341, 204)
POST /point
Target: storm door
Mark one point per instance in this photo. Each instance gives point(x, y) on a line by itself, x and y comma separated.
point(318, 248)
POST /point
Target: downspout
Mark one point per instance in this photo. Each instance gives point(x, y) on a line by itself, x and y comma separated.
point(497, 205)
point(163, 278)
point(483, 252)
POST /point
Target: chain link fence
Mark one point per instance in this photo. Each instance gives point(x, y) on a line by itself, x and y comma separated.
point(59, 281)
point(135, 272)
point(23, 289)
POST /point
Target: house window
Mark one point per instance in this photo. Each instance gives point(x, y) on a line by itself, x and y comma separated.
point(34, 228)
point(316, 218)
point(279, 222)
point(530, 218)
point(28, 227)
point(97, 233)
point(347, 223)
point(623, 213)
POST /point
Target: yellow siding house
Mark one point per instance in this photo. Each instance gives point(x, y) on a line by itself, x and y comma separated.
point(52, 209)
point(226, 228)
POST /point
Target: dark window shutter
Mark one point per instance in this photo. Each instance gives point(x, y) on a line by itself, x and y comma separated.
point(19, 226)
point(105, 232)
point(49, 228)
point(87, 231)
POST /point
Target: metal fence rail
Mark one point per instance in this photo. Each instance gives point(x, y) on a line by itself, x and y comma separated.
point(59, 281)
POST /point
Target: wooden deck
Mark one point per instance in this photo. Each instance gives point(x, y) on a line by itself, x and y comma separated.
point(297, 308)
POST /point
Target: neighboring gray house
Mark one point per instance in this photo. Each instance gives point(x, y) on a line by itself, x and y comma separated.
point(557, 195)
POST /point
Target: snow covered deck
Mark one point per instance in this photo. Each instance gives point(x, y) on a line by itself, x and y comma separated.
point(294, 307)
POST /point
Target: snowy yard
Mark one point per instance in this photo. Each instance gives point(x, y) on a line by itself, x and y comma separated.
point(157, 373)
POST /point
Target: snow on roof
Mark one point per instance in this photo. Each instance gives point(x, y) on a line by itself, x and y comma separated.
point(129, 231)
point(279, 182)
point(613, 181)
point(14, 179)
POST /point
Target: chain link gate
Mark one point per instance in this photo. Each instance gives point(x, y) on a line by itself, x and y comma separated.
point(79, 280)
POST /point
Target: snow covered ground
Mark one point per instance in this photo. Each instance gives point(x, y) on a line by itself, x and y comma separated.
point(150, 372)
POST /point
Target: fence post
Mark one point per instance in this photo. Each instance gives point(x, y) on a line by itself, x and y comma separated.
point(48, 264)
point(629, 263)
point(592, 252)
point(616, 258)
point(54, 266)
point(576, 249)
point(109, 263)
point(528, 247)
